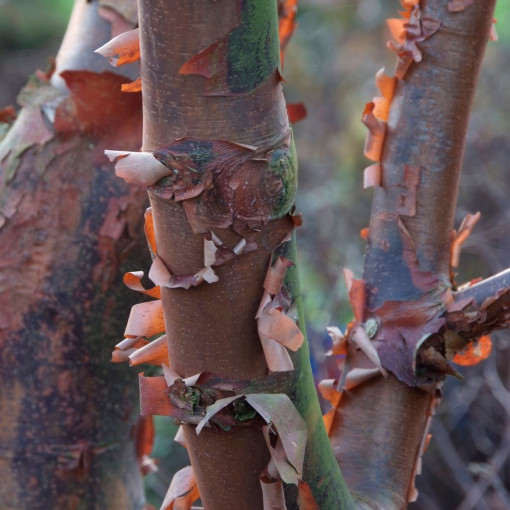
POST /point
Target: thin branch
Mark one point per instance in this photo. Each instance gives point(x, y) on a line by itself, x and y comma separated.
point(484, 307)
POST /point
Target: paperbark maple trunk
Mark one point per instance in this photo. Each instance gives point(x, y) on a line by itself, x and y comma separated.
point(68, 226)
point(212, 327)
point(380, 425)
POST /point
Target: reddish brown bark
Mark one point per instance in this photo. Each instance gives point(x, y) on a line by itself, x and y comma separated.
point(175, 107)
point(68, 227)
point(406, 270)
point(194, 88)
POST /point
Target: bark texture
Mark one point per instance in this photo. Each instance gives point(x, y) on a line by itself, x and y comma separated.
point(68, 227)
point(233, 96)
point(378, 433)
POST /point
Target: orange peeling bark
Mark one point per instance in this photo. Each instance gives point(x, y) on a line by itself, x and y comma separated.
point(202, 87)
point(408, 252)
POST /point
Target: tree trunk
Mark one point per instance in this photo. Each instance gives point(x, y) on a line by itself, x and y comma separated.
point(214, 114)
point(380, 428)
point(68, 227)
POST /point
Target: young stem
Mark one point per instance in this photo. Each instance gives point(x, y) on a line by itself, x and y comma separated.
point(213, 327)
point(407, 257)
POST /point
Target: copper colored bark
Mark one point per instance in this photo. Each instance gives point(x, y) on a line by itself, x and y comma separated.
point(67, 228)
point(204, 94)
point(223, 328)
point(379, 426)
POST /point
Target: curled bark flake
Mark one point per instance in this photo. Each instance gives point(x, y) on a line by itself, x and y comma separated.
point(275, 275)
point(153, 400)
point(279, 411)
point(287, 10)
point(162, 277)
point(217, 254)
point(149, 230)
point(134, 86)
point(180, 437)
point(356, 291)
point(136, 350)
point(140, 168)
point(144, 443)
point(121, 355)
point(372, 176)
point(358, 376)
point(211, 63)
point(131, 343)
point(407, 32)
point(397, 29)
point(279, 466)
point(183, 491)
point(329, 391)
point(493, 34)
point(277, 356)
point(146, 320)
point(169, 374)
point(154, 353)
point(97, 107)
point(339, 340)
point(133, 281)
point(276, 326)
point(125, 45)
point(460, 237)
point(277, 329)
point(375, 117)
point(273, 497)
point(386, 86)
point(214, 409)
point(374, 141)
point(362, 341)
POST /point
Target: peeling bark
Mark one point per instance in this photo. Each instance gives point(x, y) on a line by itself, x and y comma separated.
point(203, 92)
point(67, 226)
point(407, 264)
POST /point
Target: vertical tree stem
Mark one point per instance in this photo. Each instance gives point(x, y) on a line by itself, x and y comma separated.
point(213, 327)
point(425, 137)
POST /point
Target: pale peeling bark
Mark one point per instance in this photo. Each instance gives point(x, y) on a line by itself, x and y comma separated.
point(380, 426)
point(68, 417)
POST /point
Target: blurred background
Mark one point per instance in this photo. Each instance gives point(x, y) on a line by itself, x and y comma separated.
point(330, 66)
